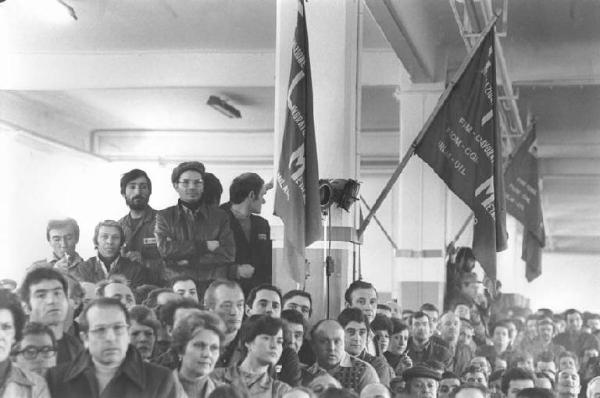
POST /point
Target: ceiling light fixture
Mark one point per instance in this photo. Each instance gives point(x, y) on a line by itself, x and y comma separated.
point(224, 107)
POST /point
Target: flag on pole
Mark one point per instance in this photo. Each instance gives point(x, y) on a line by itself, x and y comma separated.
point(297, 183)
point(462, 144)
point(523, 202)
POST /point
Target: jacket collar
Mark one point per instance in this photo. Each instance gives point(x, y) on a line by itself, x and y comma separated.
point(132, 366)
point(182, 210)
point(18, 376)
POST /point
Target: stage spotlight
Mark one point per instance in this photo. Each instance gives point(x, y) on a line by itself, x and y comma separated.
point(342, 192)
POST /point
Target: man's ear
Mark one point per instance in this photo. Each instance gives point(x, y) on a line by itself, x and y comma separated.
point(248, 309)
point(83, 336)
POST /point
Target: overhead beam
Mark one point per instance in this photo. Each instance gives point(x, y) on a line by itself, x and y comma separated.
point(408, 35)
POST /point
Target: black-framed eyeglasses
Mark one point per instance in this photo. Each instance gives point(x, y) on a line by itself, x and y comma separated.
point(31, 352)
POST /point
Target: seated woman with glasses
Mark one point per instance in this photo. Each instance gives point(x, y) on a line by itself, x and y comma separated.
point(15, 381)
point(197, 338)
point(262, 336)
point(37, 349)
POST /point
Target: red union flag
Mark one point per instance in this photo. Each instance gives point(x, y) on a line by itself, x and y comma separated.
point(462, 145)
point(297, 185)
point(524, 203)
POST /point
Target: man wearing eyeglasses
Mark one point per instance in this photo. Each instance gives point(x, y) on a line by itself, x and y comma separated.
point(37, 349)
point(194, 238)
point(109, 367)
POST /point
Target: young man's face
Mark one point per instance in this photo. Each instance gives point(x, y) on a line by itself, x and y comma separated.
point(568, 382)
point(574, 322)
point(366, 301)
point(189, 186)
point(48, 302)
point(421, 329)
point(433, 319)
point(355, 336)
point(293, 335)
point(63, 241)
point(256, 201)
point(266, 302)
point(142, 338)
point(186, 289)
point(565, 363)
point(300, 304)
point(500, 337)
point(475, 378)
point(531, 326)
point(137, 193)
point(447, 386)
point(546, 332)
point(109, 241)
point(229, 305)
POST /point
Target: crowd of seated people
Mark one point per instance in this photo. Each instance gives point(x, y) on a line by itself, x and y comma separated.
point(169, 307)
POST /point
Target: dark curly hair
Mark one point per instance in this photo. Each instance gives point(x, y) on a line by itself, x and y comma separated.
point(10, 301)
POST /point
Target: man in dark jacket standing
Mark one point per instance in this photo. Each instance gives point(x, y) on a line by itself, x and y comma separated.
point(252, 234)
point(193, 238)
point(110, 367)
point(138, 225)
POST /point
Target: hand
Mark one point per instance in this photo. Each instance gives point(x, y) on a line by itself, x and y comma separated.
point(212, 245)
point(245, 270)
point(134, 256)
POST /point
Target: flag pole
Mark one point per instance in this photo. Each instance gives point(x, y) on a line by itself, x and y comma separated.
point(411, 151)
point(381, 227)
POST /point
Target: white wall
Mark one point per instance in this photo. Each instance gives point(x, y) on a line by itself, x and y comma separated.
point(42, 181)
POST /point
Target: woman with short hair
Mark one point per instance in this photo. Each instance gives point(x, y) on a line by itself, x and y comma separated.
point(262, 336)
point(197, 338)
point(14, 381)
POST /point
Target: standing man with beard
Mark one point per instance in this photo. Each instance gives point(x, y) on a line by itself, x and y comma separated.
point(138, 225)
point(194, 238)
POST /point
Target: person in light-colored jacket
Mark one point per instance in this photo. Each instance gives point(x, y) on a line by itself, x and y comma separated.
point(17, 382)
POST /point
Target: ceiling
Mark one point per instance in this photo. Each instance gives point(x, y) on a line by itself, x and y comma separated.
point(128, 64)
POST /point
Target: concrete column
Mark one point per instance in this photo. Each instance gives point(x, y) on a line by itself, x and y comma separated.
point(420, 219)
point(332, 29)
